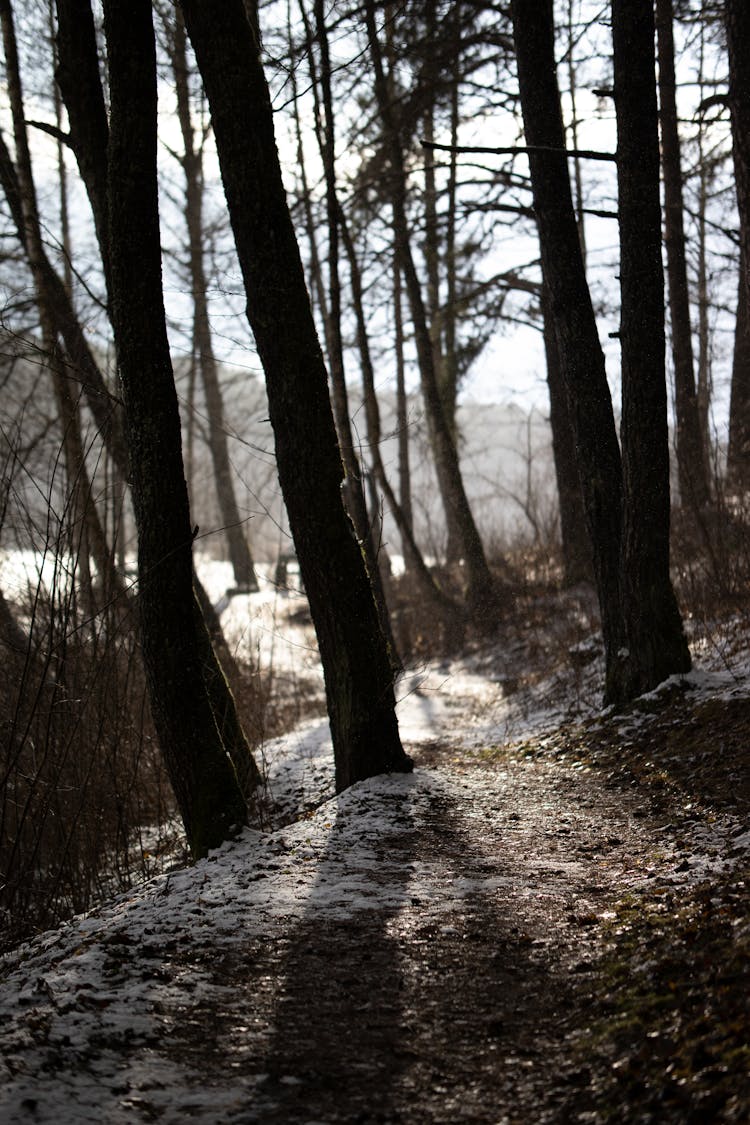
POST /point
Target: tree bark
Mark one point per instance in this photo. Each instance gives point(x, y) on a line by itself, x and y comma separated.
point(576, 547)
point(737, 17)
point(204, 781)
point(80, 84)
point(654, 638)
point(356, 664)
point(104, 406)
point(692, 465)
point(77, 51)
point(580, 353)
point(738, 454)
point(402, 417)
point(354, 490)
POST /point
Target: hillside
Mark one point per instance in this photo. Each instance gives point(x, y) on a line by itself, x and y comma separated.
point(546, 922)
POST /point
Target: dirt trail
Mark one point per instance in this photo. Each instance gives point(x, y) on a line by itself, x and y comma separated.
point(458, 1005)
point(427, 949)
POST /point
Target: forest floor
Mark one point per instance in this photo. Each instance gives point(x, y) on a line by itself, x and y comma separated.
point(546, 922)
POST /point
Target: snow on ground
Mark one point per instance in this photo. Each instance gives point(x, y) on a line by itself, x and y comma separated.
point(85, 1010)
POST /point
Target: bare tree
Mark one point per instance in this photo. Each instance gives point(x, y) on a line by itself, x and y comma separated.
point(654, 637)
point(692, 454)
point(173, 634)
point(357, 668)
point(627, 503)
point(192, 166)
point(481, 592)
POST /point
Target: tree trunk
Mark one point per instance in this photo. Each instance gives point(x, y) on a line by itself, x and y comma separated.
point(576, 547)
point(654, 638)
point(691, 453)
point(12, 636)
point(580, 353)
point(78, 77)
point(21, 193)
point(77, 50)
point(738, 454)
point(354, 490)
point(481, 593)
point(737, 17)
point(192, 165)
point(204, 781)
point(402, 415)
point(356, 664)
point(104, 407)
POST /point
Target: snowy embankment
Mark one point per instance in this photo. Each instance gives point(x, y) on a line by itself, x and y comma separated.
point(103, 1019)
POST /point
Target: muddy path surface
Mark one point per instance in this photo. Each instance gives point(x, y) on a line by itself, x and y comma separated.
point(425, 948)
point(457, 1000)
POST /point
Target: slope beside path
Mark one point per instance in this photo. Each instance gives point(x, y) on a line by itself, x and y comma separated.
point(424, 948)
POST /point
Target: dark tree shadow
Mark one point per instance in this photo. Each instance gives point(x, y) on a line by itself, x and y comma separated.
point(413, 1015)
point(337, 1046)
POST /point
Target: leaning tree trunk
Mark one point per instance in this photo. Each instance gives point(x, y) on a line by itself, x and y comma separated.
point(89, 136)
point(580, 353)
point(21, 193)
point(79, 81)
point(205, 784)
point(358, 673)
point(104, 407)
point(692, 465)
point(654, 638)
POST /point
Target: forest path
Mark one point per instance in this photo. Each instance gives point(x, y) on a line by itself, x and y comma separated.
point(447, 977)
point(423, 948)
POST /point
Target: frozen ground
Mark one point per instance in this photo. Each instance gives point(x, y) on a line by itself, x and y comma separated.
point(418, 949)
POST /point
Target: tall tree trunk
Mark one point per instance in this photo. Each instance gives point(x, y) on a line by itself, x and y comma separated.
point(737, 17)
point(354, 490)
point(356, 664)
point(705, 372)
point(738, 455)
point(104, 406)
point(89, 131)
point(691, 452)
point(573, 92)
point(192, 166)
point(654, 637)
point(402, 413)
point(79, 81)
point(205, 783)
point(481, 593)
point(580, 353)
point(434, 309)
point(576, 547)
